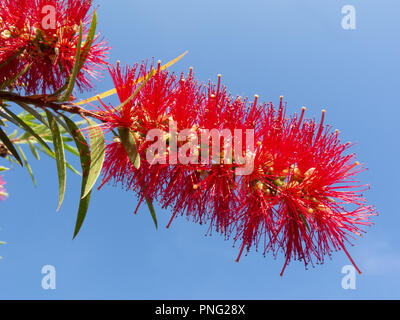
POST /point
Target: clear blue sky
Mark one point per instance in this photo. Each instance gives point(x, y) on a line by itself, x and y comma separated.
point(293, 48)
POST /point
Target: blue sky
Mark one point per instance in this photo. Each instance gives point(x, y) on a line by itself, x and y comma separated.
point(293, 48)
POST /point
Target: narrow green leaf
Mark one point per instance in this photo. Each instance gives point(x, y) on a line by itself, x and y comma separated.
point(62, 89)
point(8, 118)
point(129, 143)
point(151, 73)
point(27, 166)
point(3, 169)
point(75, 69)
point(84, 152)
point(51, 154)
point(71, 149)
point(2, 65)
point(33, 150)
point(97, 147)
point(40, 129)
point(89, 40)
point(11, 80)
point(152, 211)
point(82, 211)
point(64, 127)
point(304, 221)
point(60, 156)
point(13, 135)
point(27, 128)
point(33, 112)
point(10, 146)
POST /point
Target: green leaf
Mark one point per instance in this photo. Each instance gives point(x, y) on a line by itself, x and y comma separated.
point(129, 143)
point(151, 73)
point(40, 129)
point(8, 118)
point(62, 89)
point(72, 150)
point(304, 221)
point(152, 211)
point(11, 80)
point(27, 128)
point(89, 40)
point(33, 112)
point(27, 166)
point(51, 154)
point(60, 156)
point(33, 150)
point(10, 146)
point(13, 135)
point(64, 127)
point(12, 58)
point(97, 147)
point(3, 169)
point(75, 69)
point(84, 152)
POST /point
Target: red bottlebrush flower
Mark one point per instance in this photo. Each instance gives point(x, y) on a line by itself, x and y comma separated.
point(126, 82)
point(309, 183)
point(145, 111)
point(49, 44)
point(207, 193)
point(323, 208)
point(300, 197)
point(3, 192)
point(276, 144)
point(116, 165)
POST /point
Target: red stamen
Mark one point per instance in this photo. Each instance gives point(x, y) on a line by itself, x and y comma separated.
point(240, 253)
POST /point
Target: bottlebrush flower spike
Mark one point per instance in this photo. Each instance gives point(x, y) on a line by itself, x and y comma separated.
point(301, 197)
point(323, 208)
point(277, 140)
point(145, 111)
point(26, 38)
point(126, 83)
point(308, 198)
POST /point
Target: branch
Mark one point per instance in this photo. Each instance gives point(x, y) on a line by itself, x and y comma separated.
point(43, 101)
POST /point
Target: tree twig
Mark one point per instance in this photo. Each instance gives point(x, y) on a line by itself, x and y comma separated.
point(43, 102)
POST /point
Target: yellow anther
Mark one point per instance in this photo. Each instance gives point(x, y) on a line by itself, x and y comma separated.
point(309, 172)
